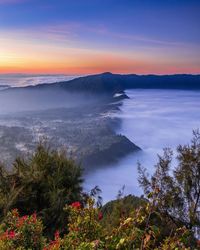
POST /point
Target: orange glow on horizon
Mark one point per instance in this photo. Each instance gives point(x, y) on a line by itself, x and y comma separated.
point(147, 69)
point(43, 57)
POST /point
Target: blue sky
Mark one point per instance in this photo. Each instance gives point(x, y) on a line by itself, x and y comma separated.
point(92, 35)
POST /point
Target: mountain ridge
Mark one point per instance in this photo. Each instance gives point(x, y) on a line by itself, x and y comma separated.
point(113, 83)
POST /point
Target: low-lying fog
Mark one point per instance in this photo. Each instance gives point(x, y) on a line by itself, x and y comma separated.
point(22, 99)
point(152, 119)
point(19, 80)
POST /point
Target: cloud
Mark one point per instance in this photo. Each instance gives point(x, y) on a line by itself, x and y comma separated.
point(76, 30)
point(140, 38)
point(58, 33)
point(80, 33)
point(153, 119)
point(68, 47)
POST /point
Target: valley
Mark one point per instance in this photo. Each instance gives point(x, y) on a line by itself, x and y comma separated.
point(87, 133)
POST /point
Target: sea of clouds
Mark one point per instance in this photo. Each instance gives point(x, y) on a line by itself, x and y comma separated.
point(19, 80)
point(152, 119)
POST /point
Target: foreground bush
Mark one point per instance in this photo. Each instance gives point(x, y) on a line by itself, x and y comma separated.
point(44, 183)
point(178, 186)
point(21, 232)
point(85, 232)
point(168, 218)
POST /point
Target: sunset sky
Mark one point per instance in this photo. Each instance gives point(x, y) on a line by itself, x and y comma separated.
point(92, 36)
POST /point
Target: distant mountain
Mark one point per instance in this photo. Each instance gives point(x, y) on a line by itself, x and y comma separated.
point(4, 87)
point(108, 82)
point(79, 113)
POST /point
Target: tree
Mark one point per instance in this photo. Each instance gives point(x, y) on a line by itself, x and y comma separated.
point(176, 191)
point(122, 207)
point(44, 183)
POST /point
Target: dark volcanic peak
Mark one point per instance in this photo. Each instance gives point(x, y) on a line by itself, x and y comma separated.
point(4, 86)
point(106, 82)
point(109, 81)
point(107, 73)
point(113, 83)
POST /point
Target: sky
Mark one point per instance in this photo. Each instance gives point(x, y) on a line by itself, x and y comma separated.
point(93, 36)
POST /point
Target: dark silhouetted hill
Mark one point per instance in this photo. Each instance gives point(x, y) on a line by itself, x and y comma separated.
point(114, 83)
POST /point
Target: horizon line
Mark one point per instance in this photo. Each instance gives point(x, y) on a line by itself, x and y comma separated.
point(100, 73)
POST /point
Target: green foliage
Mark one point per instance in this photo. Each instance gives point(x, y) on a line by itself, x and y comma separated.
point(21, 232)
point(85, 232)
point(176, 192)
point(43, 184)
point(122, 207)
point(49, 184)
point(84, 226)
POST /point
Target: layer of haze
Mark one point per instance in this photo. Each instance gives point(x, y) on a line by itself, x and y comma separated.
point(16, 100)
point(152, 119)
point(20, 80)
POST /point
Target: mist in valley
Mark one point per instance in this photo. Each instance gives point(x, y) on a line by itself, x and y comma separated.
point(21, 80)
point(24, 99)
point(153, 120)
point(14, 98)
point(63, 119)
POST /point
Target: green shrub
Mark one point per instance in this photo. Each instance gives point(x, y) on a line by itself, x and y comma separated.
point(21, 232)
point(43, 183)
point(85, 232)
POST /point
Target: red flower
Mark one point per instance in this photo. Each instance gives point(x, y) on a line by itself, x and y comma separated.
point(4, 235)
point(34, 217)
point(21, 221)
point(15, 212)
point(100, 216)
point(11, 234)
point(24, 218)
point(76, 205)
point(57, 235)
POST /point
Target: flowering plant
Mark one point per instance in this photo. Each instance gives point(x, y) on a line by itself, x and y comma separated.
point(24, 232)
point(86, 232)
